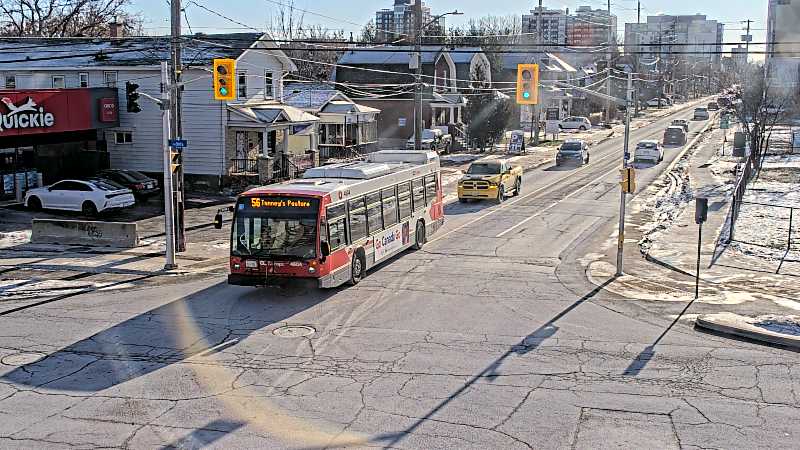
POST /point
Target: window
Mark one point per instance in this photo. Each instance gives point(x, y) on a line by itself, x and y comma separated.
point(268, 93)
point(123, 137)
point(110, 79)
point(337, 231)
point(430, 188)
point(374, 214)
point(389, 200)
point(358, 219)
point(418, 193)
point(404, 200)
point(70, 186)
point(11, 82)
point(83, 79)
point(58, 82)
point(241, 85)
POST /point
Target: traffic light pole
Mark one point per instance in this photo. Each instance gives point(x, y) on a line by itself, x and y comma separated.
point(169, 222)
point(418, 75)
point(622, 194)
point(175, 116)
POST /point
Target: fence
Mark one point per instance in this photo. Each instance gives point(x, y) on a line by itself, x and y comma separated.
point(244, 166)
point(749, 170)
point(766, 223)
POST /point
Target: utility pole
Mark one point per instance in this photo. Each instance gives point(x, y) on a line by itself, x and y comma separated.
point(608, 63)
point(747, 50)
point(622, 195)
point(176, 128)
point(418, 78)
point(169, 223)
point(535, 108)
point(636, 59)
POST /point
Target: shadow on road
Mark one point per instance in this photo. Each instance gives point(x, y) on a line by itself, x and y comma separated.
point(206, 435)
point(155, 339)
point(472, 206)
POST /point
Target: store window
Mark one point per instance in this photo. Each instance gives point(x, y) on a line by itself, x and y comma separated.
point(123, 137)
point(110, 79)
point(11, 82)
point(59, 82)
point(83, 79)
point(241, 85)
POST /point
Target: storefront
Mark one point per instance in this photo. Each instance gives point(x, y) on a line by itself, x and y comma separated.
point(57, 133)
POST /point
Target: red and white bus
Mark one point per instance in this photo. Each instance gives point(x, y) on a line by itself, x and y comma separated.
point(337, 221)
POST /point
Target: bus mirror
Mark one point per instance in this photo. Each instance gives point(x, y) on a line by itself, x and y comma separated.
point(325, 249)
point(218, 221)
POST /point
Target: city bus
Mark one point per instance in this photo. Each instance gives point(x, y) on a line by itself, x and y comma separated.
point(338, 221)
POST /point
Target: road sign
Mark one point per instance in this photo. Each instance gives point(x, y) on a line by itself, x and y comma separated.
point(724, 124)
point(178, 143)
point(552, 114)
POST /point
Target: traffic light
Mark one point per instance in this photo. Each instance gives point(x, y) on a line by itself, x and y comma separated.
point(527, 84)
point(224, 79)
point(175, 160)
point(628, 181)
point(132, 97)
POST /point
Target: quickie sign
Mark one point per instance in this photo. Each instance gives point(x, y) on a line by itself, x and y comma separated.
point(24, 115)
point(39, 111)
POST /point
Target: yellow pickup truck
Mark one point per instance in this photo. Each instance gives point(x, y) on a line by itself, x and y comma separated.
point(492, 179)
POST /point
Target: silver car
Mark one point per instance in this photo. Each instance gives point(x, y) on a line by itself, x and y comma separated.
point(575, 123)
point(649, 150)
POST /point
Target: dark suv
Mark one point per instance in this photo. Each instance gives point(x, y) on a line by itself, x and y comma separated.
point(674, 135)
point(142, 186)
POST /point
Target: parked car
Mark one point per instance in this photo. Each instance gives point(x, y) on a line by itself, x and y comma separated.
point(649, 150)
point(681, 123)
point(573, 151)
point(575, 123)
point(674, 135)
point(713, 106)
point(88, 196)
point(432, 139)
point(700, 114)
point(654, 102)
point(142, 186)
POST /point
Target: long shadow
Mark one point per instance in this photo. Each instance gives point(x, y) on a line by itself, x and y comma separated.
point(206, 435)
point(563, 168)
point(530, 343)
point(156, 339)
point(473, 206)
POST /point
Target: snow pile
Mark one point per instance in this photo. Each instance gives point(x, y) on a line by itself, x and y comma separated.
point(458, 158)
point(779, 324)
point(14, 238)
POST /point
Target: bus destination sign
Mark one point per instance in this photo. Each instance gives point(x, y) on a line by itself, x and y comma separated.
point(278, 203)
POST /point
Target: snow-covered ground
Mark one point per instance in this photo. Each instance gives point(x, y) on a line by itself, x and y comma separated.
point(14, 238)
point(779, 324)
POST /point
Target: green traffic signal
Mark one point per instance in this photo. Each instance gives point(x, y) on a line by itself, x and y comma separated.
point(526, 94)
point(223, 91)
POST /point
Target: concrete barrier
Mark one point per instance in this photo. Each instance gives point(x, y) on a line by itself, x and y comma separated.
point(82, 232)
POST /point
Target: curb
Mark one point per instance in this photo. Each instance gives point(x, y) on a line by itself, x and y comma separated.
point(736, 325)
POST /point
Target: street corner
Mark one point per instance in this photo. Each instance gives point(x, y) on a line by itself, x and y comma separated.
point(771, 329)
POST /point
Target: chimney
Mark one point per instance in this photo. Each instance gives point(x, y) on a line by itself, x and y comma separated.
point(115, 29)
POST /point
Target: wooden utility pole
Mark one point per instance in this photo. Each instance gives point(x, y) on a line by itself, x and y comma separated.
point(418, 78)
point(176, 128)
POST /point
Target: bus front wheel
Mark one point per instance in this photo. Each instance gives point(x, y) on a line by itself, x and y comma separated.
point(419, 235)
point(357, 267)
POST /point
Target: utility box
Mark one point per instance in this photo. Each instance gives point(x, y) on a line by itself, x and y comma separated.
point(739, 144)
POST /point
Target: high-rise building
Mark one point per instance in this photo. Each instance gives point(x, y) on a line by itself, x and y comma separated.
point(554, 25)
point(689, 40)
point(783, 51)
point(398, 22)
point(589, 27)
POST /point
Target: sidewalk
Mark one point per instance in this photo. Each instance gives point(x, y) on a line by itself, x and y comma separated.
point(661, 244)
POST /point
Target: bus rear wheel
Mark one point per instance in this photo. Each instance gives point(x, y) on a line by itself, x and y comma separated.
point(419, 235)
point(357, 268)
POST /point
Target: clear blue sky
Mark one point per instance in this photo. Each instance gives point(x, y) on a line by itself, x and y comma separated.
point(346, 14)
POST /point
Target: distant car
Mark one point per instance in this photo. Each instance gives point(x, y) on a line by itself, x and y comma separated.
point(713, 106)
point(432, 139)
point(142, 186)
point(655, 103)
point(774, 109)
point(681, 123)
point(700, 114)
point(573, 151)
point(575, 123)
point(87, 196)
point(674, 135)
point(649, 150)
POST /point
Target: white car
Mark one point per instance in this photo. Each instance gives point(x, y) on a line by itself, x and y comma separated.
point(90, 197)
point(653, 102)
point(575, 123)
point(649, 150)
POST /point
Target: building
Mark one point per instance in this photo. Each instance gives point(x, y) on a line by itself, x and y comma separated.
point(77, 84)
point(398, 22)
point(382, 79)
point(589, 27)
point(783, 48)
point(661, 38)
point(554, 25)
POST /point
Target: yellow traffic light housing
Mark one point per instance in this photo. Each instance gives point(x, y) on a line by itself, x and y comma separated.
point(224, 79)
point(628, 180)
point(527, 84)
point(175, 160)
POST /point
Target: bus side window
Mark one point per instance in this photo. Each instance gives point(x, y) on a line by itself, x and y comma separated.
point(337, 231)
point(419, 193)
point(430, 188)
point(389, 207)
point(358, 219)
point(404, 200)
point(374, 214)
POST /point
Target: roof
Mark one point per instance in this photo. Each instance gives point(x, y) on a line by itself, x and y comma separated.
point(309, 96)
point(270, 112)
point(553, 62)
point(402, 54)
point(198, 50)
point(347, 106)
point(464, 55)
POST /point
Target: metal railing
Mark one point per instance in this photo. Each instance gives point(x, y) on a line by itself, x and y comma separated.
point(287, 168)
point(244, 166)
point(750, 170)
point(790, 238)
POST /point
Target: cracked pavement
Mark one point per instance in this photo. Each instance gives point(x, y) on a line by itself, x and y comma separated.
point(477, 341)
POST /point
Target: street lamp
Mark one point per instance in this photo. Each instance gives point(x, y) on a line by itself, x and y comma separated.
point(418, 29)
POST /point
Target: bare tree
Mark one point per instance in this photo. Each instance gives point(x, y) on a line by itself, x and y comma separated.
point(369, 33)
point(761, 106)
point(489, 32)
point(61, 18)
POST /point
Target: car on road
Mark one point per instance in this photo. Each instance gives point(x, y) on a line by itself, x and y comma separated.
point(681, 123)
point(654, 103)
point(700, 114)
point(674, 135)
point(713, 106)
point(575, 123)
point(649, 150)
point(573, 151)
point(432, 139)
point(142, 186)
point(490, 179)
point(87, 196)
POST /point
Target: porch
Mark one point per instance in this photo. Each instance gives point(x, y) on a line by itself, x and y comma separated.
point(347, 131)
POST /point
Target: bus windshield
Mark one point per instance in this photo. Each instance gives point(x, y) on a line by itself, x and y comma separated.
point(277, 227)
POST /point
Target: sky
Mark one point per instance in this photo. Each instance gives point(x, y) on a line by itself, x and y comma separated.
point(349, 15)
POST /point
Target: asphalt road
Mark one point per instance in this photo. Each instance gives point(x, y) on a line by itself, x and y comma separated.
point(490, 337)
